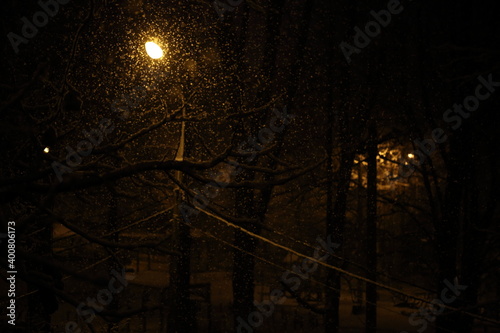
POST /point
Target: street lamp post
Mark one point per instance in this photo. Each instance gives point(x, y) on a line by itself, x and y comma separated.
point(180, 318)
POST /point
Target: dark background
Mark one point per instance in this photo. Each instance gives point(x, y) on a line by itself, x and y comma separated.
point(338, 168)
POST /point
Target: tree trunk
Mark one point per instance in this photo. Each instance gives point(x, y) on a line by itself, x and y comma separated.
point(180, 316)
point(243, 275)
point(447, 235)
point(371, 228)
point(335, 222)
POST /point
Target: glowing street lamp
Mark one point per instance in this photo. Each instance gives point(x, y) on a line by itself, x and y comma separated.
point(154, 50)
point(46, 150)
point(410, 155)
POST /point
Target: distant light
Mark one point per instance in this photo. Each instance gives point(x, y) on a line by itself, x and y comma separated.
point(46, 150)
point(410, 155)
point(153, 50)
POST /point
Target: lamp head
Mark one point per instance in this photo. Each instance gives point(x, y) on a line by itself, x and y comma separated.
point(154, 50)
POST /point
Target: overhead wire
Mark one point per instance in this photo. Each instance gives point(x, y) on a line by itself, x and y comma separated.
point(343, 271)
point(186, 190)
point(352, 262)
point(286, 269)
point(89, 266)
point(87, 242)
